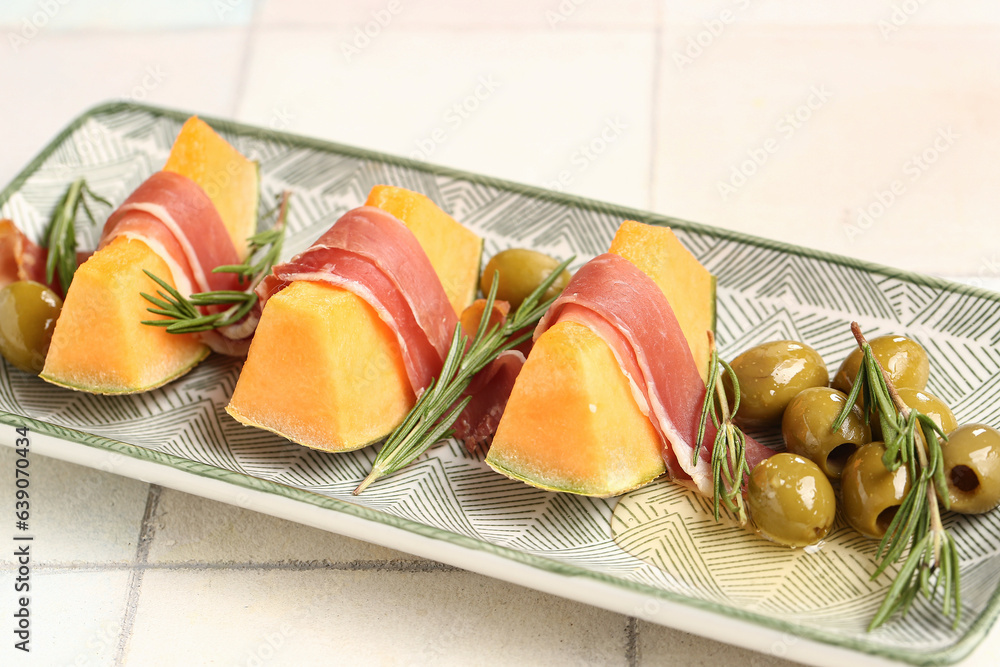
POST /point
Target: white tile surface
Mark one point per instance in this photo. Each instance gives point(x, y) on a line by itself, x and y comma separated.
point(543, 97)
point(23, 15)
point(193, 529)
point(61, 74)
point(512, 14)
point(76, 619)
point(228, 586)
point(78, 514)
point(363, 618)
point(880, 107)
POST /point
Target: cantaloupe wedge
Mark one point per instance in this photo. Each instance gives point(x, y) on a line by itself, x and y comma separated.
point(571, 423)
point(99, 344)
point(95, 347)
point(323, 370)
point(455, 252)
point(312, 394)
point(688, 285)
point(230, 180)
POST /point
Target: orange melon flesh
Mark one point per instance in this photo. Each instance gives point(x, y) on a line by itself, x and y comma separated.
point(455, 252)
point(99, 344)
point(571, 423)
point(323, 370)
point(230, 180)
point(688, 285)
point(333, 334)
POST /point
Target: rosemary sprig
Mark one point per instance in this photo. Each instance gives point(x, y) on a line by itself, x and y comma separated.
point(932, 560)
point(183, 314)
point(61, 233)
point(729, 463)
point(431, 418)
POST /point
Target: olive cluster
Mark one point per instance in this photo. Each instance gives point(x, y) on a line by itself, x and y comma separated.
point(791, 495)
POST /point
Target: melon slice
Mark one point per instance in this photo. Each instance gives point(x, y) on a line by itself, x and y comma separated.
point(98, 351)
point(455, 252)
point(323, 370)
point(688, 285)
point(99, 344)
point(571, 423)
point(230, 180)
point(312, 394)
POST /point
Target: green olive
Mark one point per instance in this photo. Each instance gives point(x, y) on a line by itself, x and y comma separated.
point(790, 500)
point(28, 313)
point(806, 429)
point(770, 376)
point(972, 468)
point(928, 404)
point(521, 272)
point(903, 359)
point(870, 494)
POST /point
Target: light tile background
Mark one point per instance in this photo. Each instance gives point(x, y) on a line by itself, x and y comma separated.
point(807, 111)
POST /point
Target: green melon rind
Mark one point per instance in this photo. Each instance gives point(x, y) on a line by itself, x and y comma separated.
point(580, 490)
point(246, 421)
point(107, 391)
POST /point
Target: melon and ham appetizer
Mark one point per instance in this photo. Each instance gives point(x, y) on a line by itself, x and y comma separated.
point(179, 224)
point(355, 327)
point(611, 393)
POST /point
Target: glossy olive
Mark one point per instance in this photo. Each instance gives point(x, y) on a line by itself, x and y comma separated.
point(928, 404)
point(790, 500)
point(770, 376)
point(28, 313)
point(807, 429)
point(972, 468)
point(903, 359)
point(870, 494)
point(521, 272)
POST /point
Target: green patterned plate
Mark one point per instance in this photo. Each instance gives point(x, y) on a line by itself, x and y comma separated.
point(448, 505)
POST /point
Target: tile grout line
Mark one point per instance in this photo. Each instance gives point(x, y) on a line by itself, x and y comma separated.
point(402, 566)
point(632, 641)
point(654, 124)
point(242, 73)
point(146, 533)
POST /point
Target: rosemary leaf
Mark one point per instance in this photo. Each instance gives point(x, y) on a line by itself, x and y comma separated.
point(438, 406)
point(182, 313)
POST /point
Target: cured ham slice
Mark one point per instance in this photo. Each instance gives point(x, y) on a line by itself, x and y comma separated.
point(20, 257)
point(622, 305)
point(172, 215)
point(373, 255)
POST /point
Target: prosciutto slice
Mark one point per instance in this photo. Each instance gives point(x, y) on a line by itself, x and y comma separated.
point(174, 217)
point(623, 305)
point(20, 257)
point(375, 256)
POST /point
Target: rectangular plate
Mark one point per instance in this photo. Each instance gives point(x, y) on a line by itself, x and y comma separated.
point(448, 505)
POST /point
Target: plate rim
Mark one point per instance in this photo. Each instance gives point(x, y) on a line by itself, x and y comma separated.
point(948, 654)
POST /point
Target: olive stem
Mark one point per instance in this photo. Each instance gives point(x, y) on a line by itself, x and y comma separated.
point(937, 527)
